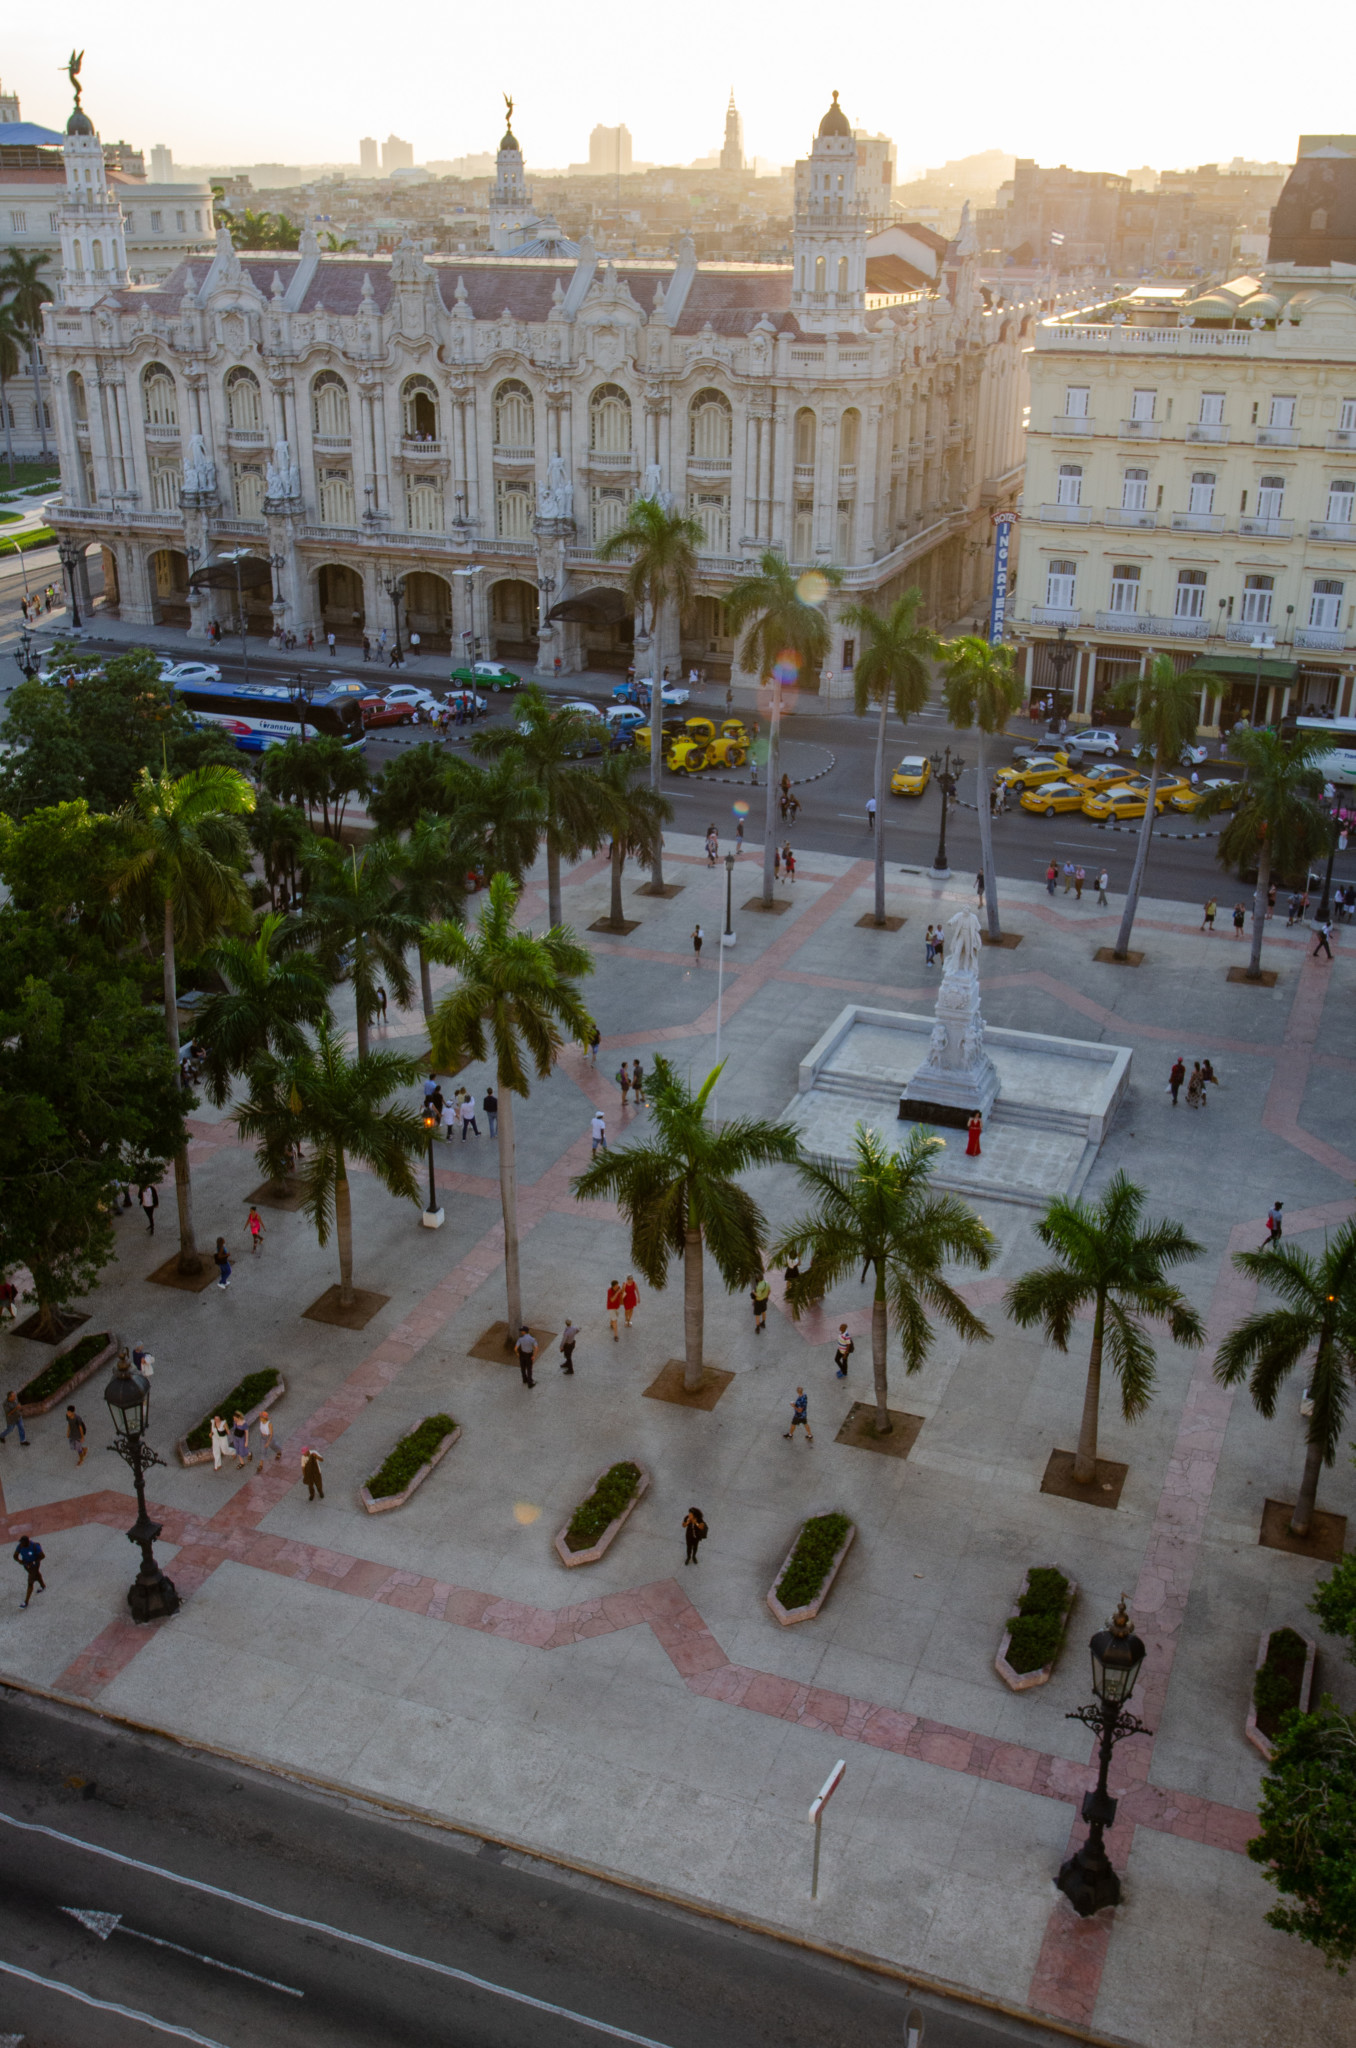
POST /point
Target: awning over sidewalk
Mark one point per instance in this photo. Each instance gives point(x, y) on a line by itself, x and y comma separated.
point(1245, 666)
point(604, 605)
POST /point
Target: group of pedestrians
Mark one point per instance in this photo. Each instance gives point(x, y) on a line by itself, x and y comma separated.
point(235, 1441)
point(36, 603)
point(1202, 1076)
point(1075, 878)
point(631, 1081)
point(460, 1112)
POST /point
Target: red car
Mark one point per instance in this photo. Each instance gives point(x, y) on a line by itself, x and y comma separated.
point(377, 711)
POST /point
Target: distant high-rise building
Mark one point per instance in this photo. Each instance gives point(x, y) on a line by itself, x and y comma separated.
point(397, 155)
point(732, 154)
point(367, 156)
point(610, 149)
point(162, 164)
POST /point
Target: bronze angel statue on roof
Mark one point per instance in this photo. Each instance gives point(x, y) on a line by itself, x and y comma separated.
point(72, 67)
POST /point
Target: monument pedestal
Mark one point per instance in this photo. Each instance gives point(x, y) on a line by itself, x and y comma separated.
point(957, 1077)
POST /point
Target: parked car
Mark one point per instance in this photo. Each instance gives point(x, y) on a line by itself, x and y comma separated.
point(580, 707)
point(415, 698)
point(487, 675)
point(1039, 768)
point(384, 711)
point(1052, 797)
point(1218, 785)
point(1193, 757)
point(1099, 739)
point(674, 694)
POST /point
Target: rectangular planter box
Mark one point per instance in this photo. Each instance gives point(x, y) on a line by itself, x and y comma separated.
point(789, 1616)
point(275, 1394)
point(570, 1558)
point(1022, 1681)
point(1250, 1727)
point(398, 1500)
point(86, 1372)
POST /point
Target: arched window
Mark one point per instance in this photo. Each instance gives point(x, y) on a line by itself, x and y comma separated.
point(329, 406)
point(98, 255)
point(160, 406)
point(842, 277)
point(419, 402)
point(850, 438)
point(821, 278)
point(513, 421)
point(805, 438)
point(710, 427)
point(610, 421)
point(244, 406)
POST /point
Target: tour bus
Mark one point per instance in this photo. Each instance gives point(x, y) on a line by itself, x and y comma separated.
point(263, 715)
point(1340, 765)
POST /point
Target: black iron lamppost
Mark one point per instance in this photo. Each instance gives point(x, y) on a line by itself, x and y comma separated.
point(433, 1215)
point(947, 770)
point(128, 1396)
point(23, 655)
point(728, 935)
point(1325, 906)
point(1087, 1880)
point(236, 557)
point(70, 555)
point(302, 690)
point(1061, 654)
point(394, 586)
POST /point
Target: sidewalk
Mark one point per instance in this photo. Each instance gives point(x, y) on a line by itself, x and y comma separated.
point(654, 1722)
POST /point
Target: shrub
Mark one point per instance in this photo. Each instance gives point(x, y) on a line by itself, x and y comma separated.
point(1334, 1603)
point(818, 1544)
point(1047, 1591)
point(1307, 1829)
point(1035, 1640)
point(1276, 1688)
point(53, 1377)
point(592, 1516)
point(254, 1388)
point(414, 1450)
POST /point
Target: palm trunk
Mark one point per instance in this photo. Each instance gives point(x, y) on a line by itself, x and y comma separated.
point(986, 838)
point(9, 441)
point(1122, 946)
point(508, 1197)
point(694, 1309)
point(880, 811)
point(343, 1231)
point(189, 1262)
point(426, 986)
point(618, 861)
point(553, 910)
point(1085, 1458)
point(880, 1333)
point(774, 754)
point(1308, 1493)
point(655, 885)
point(364, 1023)
point(37, 392)
point(1259, 911)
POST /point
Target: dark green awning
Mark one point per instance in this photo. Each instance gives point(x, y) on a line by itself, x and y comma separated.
point(1244, 666)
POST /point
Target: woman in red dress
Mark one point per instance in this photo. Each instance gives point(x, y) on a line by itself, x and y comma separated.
point(975, 1126)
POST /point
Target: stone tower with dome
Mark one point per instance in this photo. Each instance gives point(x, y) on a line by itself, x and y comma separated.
point(832, 227)
point(91, 224)
point(511, 217)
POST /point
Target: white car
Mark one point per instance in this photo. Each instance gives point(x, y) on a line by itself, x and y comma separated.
point(190, 672)
point(415, 696)
point(1102, 740)
point(580, 706)
point(1193, 757)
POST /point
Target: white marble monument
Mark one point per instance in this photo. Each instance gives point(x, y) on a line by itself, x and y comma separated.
point(957, 1077)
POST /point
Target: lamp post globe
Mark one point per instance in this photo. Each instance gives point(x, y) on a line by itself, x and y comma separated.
point(1087, 1879)
point(152, 1596)
point(433, 1215)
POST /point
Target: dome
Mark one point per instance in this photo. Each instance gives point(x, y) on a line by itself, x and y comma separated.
point(510, 141)
point(835, 122)
point(80, 123)
point(1315, 217)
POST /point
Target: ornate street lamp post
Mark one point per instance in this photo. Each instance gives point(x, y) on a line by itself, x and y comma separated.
point(23, 654)
point(433, 1215)
point(1061, 654)
point(1087, 1880)
point(728, 935)
point(302, 690)
point(394, 586)
point(70, 555)
point(128, 1396)
point(947, 770)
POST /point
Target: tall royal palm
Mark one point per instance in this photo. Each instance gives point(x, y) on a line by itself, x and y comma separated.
point(1165, 705)
point(11, 360)
point(635, 817)
point(1279, 824)
point(881, 1217)
point(433, 863)
point(682, 1196)
point(779, 613)
point(660, 581)
point(1317, 1309)
point(358, 925)
point(893, 669)
point(515, 1002)
point(181, 876)
point(544, 746)
point(26, 292)
point(981, 689)
point(273, 993)
point(1105, 1260)
point(340, 1109)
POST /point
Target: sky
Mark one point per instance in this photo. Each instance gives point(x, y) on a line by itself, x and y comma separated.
point(290, 81)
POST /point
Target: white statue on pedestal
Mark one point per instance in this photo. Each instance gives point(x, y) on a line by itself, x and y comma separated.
point(555, 498)
point(652, 486)
point(282, 476)
point(200, 472)
point(957, 1074)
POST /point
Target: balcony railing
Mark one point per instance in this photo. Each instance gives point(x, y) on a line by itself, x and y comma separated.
point(1320, 636)
point(1140, 430)
point(1278, 437)
point(1149, 626)
point(1332, 529)
point(1271, 529)
point(252, 437)
point(1066, 515)
point(1124, 515)
point(161, 433)
point(1072, 423)
point(503, 453)
point(847, 477)
point(1207, 430)
point(1198, 522)
point(1055, 615)
point(708, 465)
point(803, 472)
point(412, 445)
point(597, 459)
point(1242, 632)
point(1342, 437)
point(328, 444)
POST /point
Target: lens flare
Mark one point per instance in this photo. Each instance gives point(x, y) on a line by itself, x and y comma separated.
point(525, 1514)
point(812, 588)
point(740, 808)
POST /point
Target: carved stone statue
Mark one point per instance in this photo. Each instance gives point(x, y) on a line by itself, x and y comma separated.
point(200, 472)
point(652, 486)
point(957, 1077)
point(72, 69)
point(282, 476)
point(555, 498)
point(963, 944)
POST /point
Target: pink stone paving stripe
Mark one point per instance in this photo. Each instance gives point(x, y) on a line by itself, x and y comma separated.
point(1285, 1098)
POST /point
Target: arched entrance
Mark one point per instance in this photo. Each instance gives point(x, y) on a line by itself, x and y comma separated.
point(168, 576)
point(343, 611)
point(428, 610)
point(707, 640)
point(513, 619)
point(606, 625)
point(111, 598)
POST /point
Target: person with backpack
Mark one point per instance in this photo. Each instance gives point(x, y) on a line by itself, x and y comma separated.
point(29, 1553)
point(843, 1351)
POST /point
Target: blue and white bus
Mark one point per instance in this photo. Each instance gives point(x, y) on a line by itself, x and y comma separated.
point(1339, 766)
point(263, 715)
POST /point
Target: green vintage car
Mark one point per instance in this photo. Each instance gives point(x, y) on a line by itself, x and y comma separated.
point(486, 675)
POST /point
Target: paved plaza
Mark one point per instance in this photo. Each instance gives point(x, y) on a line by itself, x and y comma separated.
point(654, 1723)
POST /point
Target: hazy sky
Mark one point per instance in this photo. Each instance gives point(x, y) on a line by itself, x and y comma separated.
point(290, 81)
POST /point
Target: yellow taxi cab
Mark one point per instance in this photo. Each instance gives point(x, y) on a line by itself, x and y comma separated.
point(1108, 776)
point(1038, 769)
point(1120, 802)
point(1051, 797)
point(912, 776)
point(1219, 787)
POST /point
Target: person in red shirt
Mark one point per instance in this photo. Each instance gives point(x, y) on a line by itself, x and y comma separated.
point(1176, 1077)
point(630, 1296)
point(614, 1302)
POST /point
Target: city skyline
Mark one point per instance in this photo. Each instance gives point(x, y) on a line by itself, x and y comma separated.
point(1040, 97)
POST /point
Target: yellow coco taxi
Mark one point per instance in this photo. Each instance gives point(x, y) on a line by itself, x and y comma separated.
point(1191, 799)
point(1040, 768)
point(1052, 797)
point(912, 776)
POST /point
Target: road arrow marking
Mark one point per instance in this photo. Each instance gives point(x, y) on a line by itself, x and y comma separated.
point(104, 1924)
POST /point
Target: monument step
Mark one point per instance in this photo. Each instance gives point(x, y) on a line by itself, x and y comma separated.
point(1039, 1116)
point(870, 1087)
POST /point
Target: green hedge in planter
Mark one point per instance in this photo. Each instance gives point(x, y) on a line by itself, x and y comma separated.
point(807, 1568)
point(254, 1388)
point(53, 1377)
point(1276, 1688)
point(1037, 1628)
point(414, 1450)
point(616, 1487)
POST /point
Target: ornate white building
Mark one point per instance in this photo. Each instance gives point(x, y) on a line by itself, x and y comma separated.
point(471, 428)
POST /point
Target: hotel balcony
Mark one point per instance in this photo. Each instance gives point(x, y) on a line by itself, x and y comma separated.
point(1332, 529)
point(1066, 515)
point(1268, 529)
point(161, 433)
point(1320, 636)
point(1207, 430)
point(1198, 522)
point(1072, 423)
point(1120, 515)
point(1341, 437)
point(1054, 615)
point(1140, 430)
point(1278, 437)
point(1147, 626)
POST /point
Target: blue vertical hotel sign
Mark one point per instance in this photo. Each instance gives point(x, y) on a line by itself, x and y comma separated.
point(998, 597)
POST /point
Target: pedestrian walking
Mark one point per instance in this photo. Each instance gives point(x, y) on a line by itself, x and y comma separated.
point(569, 1337)
point(75, 1435)
point(595, 1040)
point(1271, 900)
point(776, 863)
point(329, 643)
point(598, 1133)
point(29, 1553)
point(1324, 934)
point(1239, 914)
point(712, 845)
point(929, 946)
point(254, 1223)
point(310, 640)
point(614, 1302)
point(1196, 1088)
point(451, 1117)
point(1273, 1236)
point(468, 1115)
point(14, 1419)
point(1208, 1074)
point(311, 1462)
point(1080, 876)
point(222, 1260)
point(220, 1439)
point(1051, 877)
point(1102, 881)
point(381, 1004)
point(526, 1348)
point(789, 862)
point(9, 1294)
point(623, 1080)
point(695, 1533)
point(240, 1440)
point(759, 1297)
point(871, 814)
point(843, 1350)
point(638, 1082)
point(1208, 920)
point(1292, 909)
point(939, 944)
point(979, 887)
point(697, 944)
point(1068, 876)
point(739, 837)
point(630, 1298)
point(150, 1202)
point(1176, 1076)
point(266, 1443)
point(491, 1108)
point(800, 1417)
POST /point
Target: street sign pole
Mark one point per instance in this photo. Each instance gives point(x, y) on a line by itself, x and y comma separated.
point(822, 1798)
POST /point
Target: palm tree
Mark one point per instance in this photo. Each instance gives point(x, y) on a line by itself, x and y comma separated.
point(279, 835)
point(11, 360)
point(182, 870)
point(341, 1109)
point(358, 925)
point(636, 817)
point(892, 668)
point(515, 1000)
point(1279, 822)
point(331, 243)
point(322, 770)
point(432, 865)
point(880, 1215)
point(981, 689)
point(21, 276)
point(681, 1195)
point(1165, 706)
point(274, 991)
point(660, 581)
point(1104, 1257)
point(1319, 1297)
point(776, 621)
point(543, 745)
